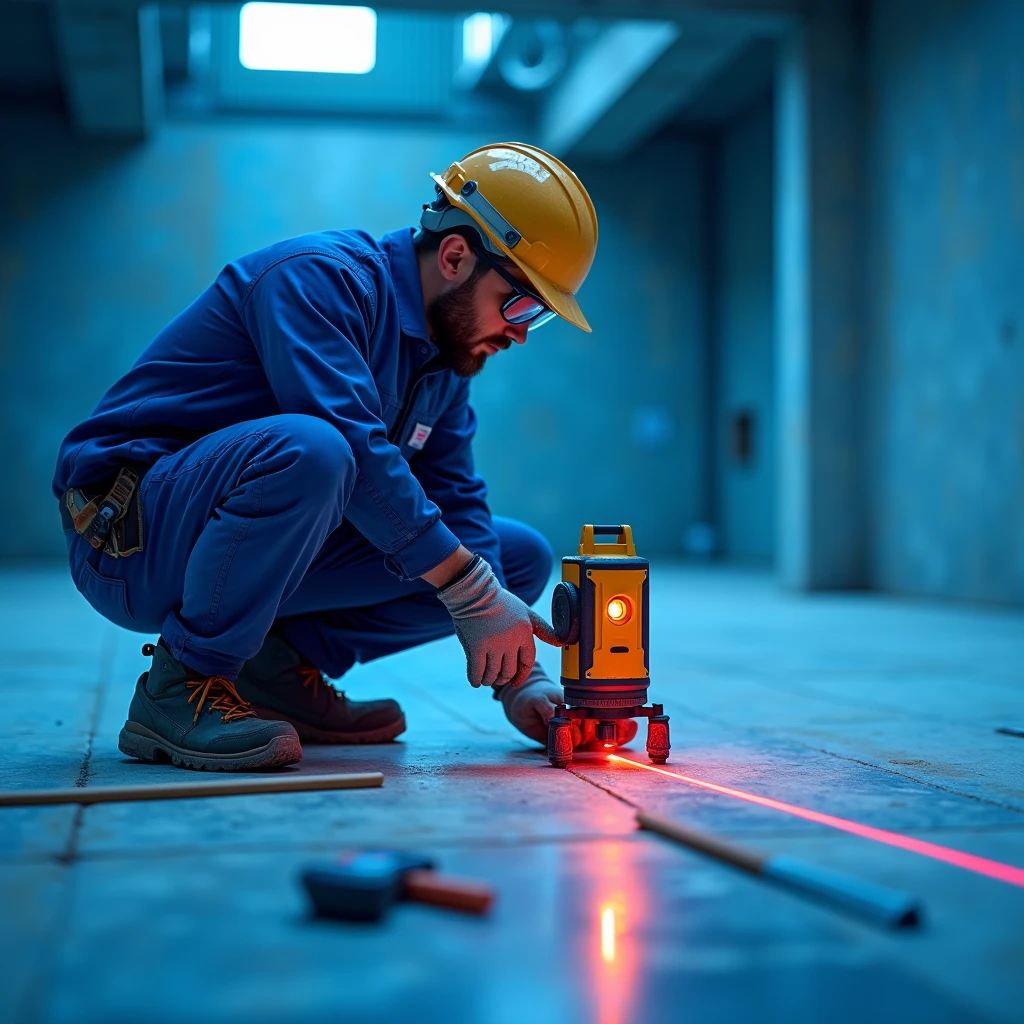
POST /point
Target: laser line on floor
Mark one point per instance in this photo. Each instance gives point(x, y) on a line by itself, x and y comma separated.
point(969, 861)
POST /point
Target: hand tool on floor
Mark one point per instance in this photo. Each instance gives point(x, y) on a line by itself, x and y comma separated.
point(229, 786)
point(362, 886)
point(874, 903)
point(600, 615)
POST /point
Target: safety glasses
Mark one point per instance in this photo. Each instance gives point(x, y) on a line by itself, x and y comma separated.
point(523, 306)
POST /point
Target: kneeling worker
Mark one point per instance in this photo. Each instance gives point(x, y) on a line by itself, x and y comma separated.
point(283, 484)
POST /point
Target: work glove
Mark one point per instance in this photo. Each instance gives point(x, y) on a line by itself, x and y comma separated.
point(495, 627)
point(529, 707)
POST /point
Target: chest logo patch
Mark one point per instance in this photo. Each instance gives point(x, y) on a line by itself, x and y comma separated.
point(419, 435)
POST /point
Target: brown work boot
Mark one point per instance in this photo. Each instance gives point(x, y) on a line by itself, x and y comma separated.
point(281, 684)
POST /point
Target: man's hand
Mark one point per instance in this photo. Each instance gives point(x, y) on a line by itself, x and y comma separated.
point(495, 627)
point(529, 707)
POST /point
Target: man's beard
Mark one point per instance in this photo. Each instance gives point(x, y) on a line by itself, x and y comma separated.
point(453, 321)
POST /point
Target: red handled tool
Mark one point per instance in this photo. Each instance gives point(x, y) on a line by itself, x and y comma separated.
point(362, 886)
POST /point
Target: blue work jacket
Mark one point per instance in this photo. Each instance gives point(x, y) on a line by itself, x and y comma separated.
point(330, 325)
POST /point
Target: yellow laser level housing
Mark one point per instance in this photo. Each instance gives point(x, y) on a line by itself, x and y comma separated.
point(600, 612)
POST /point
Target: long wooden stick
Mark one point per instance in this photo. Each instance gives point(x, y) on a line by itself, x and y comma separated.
point(875, 903)
point(186, 790)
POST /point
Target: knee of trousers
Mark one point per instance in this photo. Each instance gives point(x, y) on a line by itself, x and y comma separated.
point(533, 560)
point(313, 453)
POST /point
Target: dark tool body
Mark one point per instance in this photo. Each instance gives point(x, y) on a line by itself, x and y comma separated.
point(600, 613)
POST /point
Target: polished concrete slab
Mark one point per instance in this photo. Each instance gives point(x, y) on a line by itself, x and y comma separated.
point(876, 709)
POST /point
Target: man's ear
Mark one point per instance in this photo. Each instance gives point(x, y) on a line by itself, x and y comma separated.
point(455, 259)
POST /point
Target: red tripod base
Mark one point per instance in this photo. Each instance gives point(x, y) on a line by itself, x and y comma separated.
point(560, 747)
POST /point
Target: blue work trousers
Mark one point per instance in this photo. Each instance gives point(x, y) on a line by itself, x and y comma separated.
point(245, 528)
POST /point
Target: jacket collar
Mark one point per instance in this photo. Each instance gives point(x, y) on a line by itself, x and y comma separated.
point(405, 273)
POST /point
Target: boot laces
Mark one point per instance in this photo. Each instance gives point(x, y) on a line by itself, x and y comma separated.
point(220, 692)
point(222, 695)
point(312, 676)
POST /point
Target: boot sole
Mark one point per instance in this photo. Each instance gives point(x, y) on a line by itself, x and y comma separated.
point(311, 734)
point(139, 742)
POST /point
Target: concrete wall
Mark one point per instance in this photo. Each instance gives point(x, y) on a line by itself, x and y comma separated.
point(946, 296)
point(744, 337)
point(100, 245)
point(612, 426)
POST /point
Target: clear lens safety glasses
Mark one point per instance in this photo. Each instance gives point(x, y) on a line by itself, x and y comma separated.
point(523, 306)
point(525, 309)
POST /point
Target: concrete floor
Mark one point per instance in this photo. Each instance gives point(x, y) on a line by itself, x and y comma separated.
point(876, 709)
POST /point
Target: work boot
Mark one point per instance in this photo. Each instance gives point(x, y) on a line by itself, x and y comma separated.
point(281, 684)
point(197, 721)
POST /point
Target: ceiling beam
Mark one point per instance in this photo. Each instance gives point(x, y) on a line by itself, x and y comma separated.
point(111, 66)
point(631, 81)
point(605, 73)
point(767, 12)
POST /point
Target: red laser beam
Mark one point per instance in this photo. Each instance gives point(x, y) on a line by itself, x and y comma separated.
point(980, 865)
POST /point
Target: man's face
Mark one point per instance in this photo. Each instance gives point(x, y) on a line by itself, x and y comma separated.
point(465, 317)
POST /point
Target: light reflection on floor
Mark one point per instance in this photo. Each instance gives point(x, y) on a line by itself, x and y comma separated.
point(616, 909)
point(608, 926)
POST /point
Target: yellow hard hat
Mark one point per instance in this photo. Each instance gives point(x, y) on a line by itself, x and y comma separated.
point(529, 208)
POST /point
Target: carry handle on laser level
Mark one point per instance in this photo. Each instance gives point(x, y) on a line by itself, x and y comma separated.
point(623, 546)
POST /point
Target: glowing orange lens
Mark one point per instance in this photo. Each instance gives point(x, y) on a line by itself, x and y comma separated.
point(619, 609)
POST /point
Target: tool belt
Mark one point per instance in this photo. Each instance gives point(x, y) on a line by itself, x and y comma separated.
point(112, 521)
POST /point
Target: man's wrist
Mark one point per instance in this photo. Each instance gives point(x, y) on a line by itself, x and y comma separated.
point(453, 568)
point(463, 572)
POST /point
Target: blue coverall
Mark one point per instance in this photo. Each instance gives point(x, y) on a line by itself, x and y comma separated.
point(305, 460)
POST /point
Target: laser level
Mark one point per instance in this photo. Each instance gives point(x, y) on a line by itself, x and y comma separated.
point(600, 614)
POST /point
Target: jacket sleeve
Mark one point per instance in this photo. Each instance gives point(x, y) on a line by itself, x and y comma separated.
point(445, 469)
point(308, 317)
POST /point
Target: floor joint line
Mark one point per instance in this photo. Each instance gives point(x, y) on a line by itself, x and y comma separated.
point(107, 650)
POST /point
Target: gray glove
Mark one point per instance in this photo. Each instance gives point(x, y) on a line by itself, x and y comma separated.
point(495, 627)
point(529, 707)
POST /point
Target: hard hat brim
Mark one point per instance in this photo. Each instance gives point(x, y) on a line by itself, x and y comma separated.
point(562, 302)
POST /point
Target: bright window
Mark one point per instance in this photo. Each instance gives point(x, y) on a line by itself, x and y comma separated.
point(308, 37)
point(481, 34)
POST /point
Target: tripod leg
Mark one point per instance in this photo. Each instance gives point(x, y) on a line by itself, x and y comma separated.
point(657, 736)
point(560, 739)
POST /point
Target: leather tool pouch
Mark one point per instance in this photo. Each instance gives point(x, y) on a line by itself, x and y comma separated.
point(111, 522)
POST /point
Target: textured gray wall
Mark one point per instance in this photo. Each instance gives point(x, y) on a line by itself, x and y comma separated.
point(611, 426)
point(101, 245)
point(744, 336)
point(946, 295)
